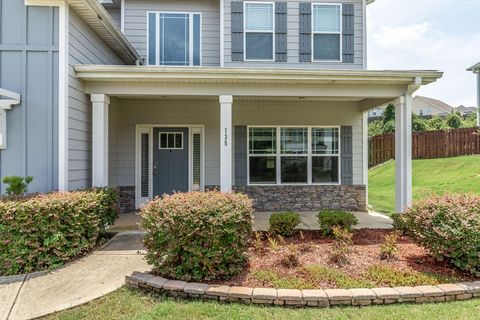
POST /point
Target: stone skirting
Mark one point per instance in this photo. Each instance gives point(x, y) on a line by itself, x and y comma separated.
point(126, 198)
point(306, 198)
point(310, 298)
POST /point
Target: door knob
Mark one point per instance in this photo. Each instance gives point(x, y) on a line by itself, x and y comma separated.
point(154, 168)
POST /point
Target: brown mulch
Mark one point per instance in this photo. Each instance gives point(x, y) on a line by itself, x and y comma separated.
point(364, 254)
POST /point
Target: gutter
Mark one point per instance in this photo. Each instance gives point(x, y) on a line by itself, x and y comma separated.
point(415, 85)
point(112, 28)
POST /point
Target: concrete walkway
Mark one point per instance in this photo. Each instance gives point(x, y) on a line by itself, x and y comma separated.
point(309, 220)
point(104, 271)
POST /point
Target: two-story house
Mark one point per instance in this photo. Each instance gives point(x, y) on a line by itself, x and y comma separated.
point(268, 98)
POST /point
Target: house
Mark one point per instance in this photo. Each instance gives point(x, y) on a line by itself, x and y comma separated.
point(476, 70)
point(263, 97)
point(422, 106)
point(466, 111)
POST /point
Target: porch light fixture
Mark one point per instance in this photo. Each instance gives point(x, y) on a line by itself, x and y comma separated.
point(12, 99)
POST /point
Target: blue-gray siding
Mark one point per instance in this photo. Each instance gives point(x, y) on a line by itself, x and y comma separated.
point(85, 47)
point(29, 66)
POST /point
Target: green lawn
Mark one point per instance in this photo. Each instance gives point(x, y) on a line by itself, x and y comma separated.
point(130, 304)
point(460, 174)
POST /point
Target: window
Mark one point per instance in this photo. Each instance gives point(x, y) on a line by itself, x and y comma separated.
point(294, 155)
point(174, 39)
point(171, 140)
point(259, 30)
point(326, 32)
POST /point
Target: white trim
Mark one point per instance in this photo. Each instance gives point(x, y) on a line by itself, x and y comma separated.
point(190, 38)
point(365, 48)
point(340, 33)
point(403, 153)
point(258, 31)
point(100, 125)
point(148, 128)
point(278, 155)
point(122, 16)
point(225, 136)
point(222, 33)
point(174, 139)
point(365, 151)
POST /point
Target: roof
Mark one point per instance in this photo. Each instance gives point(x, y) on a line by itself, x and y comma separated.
point(252, 75)
point(437, 103)
point(463, 109)
point(475, 68)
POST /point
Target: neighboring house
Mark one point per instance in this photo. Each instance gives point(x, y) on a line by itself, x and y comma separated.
point(466, 111)
point(266, 98)
point(476, 70)
point(422, 106)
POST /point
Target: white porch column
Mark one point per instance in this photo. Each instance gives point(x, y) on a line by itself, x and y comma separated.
point(226, 143)
point(100, 103)
point(478, 99)
point(403, 153)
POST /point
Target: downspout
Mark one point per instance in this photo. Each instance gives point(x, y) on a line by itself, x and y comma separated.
point(222, 33)
point(414, 86)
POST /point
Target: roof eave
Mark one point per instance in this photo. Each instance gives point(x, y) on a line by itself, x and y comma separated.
point(475, 68)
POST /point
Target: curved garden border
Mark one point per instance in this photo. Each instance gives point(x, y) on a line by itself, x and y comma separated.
point(312, 298)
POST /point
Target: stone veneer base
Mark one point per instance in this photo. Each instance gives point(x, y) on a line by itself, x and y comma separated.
point(306, 298)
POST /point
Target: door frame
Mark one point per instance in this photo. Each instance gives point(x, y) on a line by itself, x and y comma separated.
point(148, 129)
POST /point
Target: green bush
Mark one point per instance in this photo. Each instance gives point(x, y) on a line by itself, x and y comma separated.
point(328, 219)
point(16, 186)
point(449, 227)
point(284, 223)
point(398, 223)
point(198, 235)
point(46, 230)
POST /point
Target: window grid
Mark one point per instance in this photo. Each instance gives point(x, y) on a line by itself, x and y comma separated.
point(176, 139)
point(310, 155)
point(339, 32)
point(246, 30)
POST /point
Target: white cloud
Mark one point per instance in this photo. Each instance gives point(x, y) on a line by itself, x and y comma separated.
point(397, 37)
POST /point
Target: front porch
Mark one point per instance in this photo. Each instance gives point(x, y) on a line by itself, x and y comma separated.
point(291, 140)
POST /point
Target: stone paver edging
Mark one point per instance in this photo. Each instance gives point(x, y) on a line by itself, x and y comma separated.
point(311, 298)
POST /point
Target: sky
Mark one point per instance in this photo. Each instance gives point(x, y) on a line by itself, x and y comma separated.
point(428, 35)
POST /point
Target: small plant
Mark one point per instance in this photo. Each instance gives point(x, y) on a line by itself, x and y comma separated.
point(328, 219)
point(273, 243)
point(284, 223)
point(341, 246)
point(384, 275)
point(398, 223)
point(389, 248)
point(305, 247)
point(16, 186)
point(258, 246)
point(290, 258)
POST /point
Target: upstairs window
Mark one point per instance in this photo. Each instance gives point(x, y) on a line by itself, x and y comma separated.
point(327, 32)
point(174, 39)
point(259, 30)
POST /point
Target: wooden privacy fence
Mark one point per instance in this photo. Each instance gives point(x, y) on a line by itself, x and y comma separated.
point(427, 145)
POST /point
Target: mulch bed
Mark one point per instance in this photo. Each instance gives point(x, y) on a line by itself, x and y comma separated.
point(364, 254)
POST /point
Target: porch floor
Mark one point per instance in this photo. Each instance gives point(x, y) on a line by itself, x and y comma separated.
point(309, 221)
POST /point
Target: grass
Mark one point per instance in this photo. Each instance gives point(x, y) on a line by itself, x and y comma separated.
point(459, 174)
point(131, 304)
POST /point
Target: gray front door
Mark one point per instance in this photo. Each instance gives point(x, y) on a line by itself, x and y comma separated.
point(170, 160)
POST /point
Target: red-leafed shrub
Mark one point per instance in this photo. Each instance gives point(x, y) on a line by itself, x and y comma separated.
point(198, 235)
point(46, 230)
point(449, 227)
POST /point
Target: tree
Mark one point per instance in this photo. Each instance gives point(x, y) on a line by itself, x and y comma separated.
point(375, 128)
point(419, 124)
point(389, 114)
point(437, 123)
point(454, 120)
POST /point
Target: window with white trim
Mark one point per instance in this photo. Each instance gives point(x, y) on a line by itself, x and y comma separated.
point(327, 32)
point(294, 155)
point(174, 39)
point(259, 30)
point(170, 140)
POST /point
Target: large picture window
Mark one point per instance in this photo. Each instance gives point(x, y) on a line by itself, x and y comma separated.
point(326, 32)
point(259, 30)
point(294, 155)
point(174, 39)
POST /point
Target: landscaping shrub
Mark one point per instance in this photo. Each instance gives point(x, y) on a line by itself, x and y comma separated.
point(284, 223)
point(46, 230)
point(290, 258)
point(341, 246)
point(16, 186)
point(198, 235)
point(398, 223)
point(332, 218)
point(449, 227)
point(389, 248)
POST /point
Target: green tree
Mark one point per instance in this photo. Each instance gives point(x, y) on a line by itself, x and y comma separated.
point(455, 120)
point(389, 127)
point(389, 114)
point(470, 121)
point(437, 123)
point(419, 124)
point(16, 186)
point(375, 128)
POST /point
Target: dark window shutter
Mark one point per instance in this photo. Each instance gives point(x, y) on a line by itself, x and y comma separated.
point(240, 155)
point(348, 32)
point(237, 30)
point(305, 54)
point(281, 31)
point(346, 155)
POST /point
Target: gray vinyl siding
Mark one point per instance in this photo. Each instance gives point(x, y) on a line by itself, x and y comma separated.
point(116, 15)
point(29, 66)
point(85, 47)
point(293, 40)
point(129, 113)
point(136, 24)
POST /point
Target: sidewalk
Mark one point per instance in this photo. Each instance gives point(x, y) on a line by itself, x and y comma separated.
point(89, 278)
